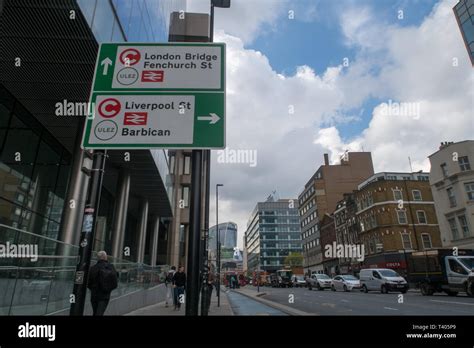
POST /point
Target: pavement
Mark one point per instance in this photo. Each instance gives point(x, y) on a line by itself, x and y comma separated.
point(160, 308)
point(358, 303)
point(252, 293)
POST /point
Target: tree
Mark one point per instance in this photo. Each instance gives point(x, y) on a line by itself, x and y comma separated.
point(294, 260)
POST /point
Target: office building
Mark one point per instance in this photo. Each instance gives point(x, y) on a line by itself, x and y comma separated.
point(347, 232)
point(48, 55)
point(452, 184)
point(396, 214)
point(464, 13)
point(322, 193)
point(273, 232)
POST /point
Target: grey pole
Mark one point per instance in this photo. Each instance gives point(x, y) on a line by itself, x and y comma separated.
point(87, 234)
point(218, 248)
point(142, 231)
point(120, 214)
point(192, 281)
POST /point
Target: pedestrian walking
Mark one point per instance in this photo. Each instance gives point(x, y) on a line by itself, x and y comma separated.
point(169, 286)
point(179, 285)
point(103, 278)
point(210, 285)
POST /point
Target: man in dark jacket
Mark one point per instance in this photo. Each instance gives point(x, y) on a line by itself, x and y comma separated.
point(103, 278)
point(179, 284)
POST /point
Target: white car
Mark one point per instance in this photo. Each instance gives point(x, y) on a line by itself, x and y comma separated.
point(345, 282)
point(319, 281)
point(298, 281)
point(383, 280)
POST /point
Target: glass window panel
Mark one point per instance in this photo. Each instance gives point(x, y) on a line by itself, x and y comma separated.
point(134, 23)
point(124, 9)
point(87, 8)
point(117, 35)
point(103, 23)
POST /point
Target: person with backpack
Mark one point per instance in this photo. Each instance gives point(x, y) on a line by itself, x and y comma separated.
point(169, 286)
point(103, 278)
point(179, 285)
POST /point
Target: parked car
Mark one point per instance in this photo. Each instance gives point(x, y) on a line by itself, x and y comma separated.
point(383, 280)
point(319, 281)
point(345, 282)
point(298, 280)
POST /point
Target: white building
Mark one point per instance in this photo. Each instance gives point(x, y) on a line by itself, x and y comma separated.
point(452, 183)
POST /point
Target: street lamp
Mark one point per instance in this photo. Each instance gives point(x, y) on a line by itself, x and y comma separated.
point(222, 4)
point(218, 248)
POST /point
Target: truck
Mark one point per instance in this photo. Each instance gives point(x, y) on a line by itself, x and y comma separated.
point(281, 279)
point(442, 270)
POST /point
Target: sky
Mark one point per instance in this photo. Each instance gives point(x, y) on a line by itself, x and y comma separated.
point(308, 77)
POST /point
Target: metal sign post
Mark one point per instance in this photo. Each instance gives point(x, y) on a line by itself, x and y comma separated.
point(87, 234)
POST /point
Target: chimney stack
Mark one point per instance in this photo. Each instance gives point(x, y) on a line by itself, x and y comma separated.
point(326, 159)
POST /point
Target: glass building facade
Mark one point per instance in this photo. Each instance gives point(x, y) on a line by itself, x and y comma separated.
point(273, 232)
point(37, 152)
point(227, 235)
point(464, 12)
point(34, 171)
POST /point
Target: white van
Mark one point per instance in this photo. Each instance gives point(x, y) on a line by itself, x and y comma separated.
point(383, 280)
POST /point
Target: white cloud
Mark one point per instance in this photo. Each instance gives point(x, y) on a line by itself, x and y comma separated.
point(411, 64)
point(419, 68)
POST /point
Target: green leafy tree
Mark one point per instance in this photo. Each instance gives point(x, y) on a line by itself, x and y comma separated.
point(294, 260)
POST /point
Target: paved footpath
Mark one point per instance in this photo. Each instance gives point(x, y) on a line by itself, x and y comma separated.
point(160, 308)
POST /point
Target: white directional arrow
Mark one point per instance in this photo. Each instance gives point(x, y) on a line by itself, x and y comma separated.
point(106, 62)
point(213, 118)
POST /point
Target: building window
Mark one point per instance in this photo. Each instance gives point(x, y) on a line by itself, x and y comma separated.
point(185, 196)
point(469, 190)
point(464, 225)
point(444, 169)
point(187, 165)
point(454, 228)
point(416, 195)
point(406, 240)
point(406, 177)
point(371, 246)
point(172, 158)
point(391, 177)
point(426, 238)
point(402, 217)
point(420, 214)
point(464, 163)
point(451, 196)
point(397, 195)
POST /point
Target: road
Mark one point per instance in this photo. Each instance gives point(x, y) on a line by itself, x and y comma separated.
point(373, 303)
point(242, 305)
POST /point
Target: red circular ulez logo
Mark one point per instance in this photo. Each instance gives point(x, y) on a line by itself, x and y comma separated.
point(130, 57)
point(109, 108)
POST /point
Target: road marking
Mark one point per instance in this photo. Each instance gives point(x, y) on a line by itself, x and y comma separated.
point(461, 303)
point(390, 308)
point(332, 305)
point(344, 300)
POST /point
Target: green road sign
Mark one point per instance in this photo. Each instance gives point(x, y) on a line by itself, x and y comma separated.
point(160, 67)
point(156, 120)
point(166, 95)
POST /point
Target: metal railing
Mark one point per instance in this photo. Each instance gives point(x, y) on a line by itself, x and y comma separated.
point(40, 282)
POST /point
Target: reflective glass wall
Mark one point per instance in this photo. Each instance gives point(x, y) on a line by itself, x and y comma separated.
point(34, 170)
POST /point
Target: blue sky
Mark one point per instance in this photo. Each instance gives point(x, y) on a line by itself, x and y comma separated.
point(318, 41)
